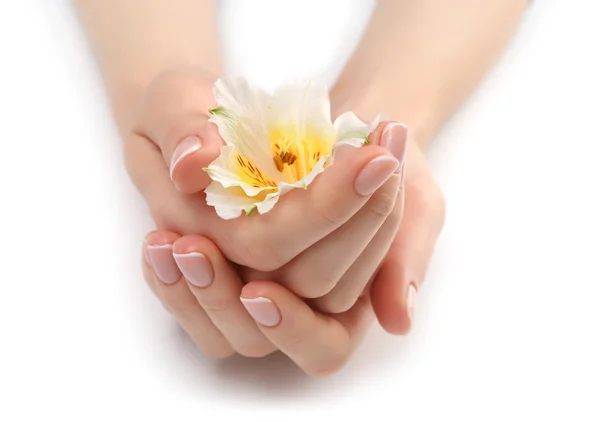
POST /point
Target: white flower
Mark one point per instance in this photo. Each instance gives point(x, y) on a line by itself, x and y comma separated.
point(274, 143)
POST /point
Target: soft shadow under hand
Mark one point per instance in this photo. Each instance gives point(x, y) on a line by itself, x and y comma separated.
point(279, 377)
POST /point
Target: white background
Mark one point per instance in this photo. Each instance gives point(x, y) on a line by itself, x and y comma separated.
point(508, 321)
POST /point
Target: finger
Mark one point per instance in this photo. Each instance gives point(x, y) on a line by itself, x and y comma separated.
point(352, 284)
point(174, 116)
point(307, 216)
point(361, 269)
point(320, 268)
point(403, 271)
point(319, 344)
point(178, 299)
point(217, 287)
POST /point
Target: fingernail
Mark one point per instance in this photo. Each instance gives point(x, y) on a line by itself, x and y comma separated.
point(196, 268)
point(186, 147)
point(411, 297)
point(263, 310)
point(375, 174)
point(394, 139)
point(163, 263)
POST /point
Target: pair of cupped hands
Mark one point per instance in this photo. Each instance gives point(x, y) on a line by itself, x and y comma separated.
point(307, 278)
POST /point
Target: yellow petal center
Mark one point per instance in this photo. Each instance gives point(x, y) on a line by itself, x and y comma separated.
point(296, 155)
point(252, 175)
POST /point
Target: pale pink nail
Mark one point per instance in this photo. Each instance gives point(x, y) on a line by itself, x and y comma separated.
point(375, 174)
point(163, 263)
point(411, 297)
point(263, 310)
point(196, 268)
point(394, 139)
point(186, 147)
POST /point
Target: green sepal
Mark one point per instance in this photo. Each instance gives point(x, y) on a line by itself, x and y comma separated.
point(254, 208)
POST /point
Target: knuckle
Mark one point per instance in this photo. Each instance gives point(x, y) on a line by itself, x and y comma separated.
point(217, 303)
point(334, 216)
point(382, 203)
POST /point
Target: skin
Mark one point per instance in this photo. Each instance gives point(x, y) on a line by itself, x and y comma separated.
point(418, 61)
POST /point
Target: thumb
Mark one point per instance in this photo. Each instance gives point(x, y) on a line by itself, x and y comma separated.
point(191, 155)
point(174, 117)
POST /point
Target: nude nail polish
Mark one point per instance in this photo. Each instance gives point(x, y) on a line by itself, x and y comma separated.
point(263, 310)
point(375, 174)
point(196, 268)
point(395, 140)
point(185, 148)
point(163, 263)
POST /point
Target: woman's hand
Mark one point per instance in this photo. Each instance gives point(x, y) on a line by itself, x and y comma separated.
point(206, 303)
point(393, 289)
point(312, 239)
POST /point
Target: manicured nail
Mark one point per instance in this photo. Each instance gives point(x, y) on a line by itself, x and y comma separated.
point(394, 139)
point(196, 268)
point(165, 267)
point(375, 174)
point(263, 310)
point(411, 297)
point(186, 147)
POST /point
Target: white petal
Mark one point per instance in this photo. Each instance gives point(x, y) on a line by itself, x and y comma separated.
point(268, 204)
point(242, 121)
point(302, 108)
point(229, 202)
point(353, 131)
point(222, 170)
point(308, 179)
point(317, 169)
point(348, 122)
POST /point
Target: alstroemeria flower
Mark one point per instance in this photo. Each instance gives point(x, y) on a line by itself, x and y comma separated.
point(274, 143)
